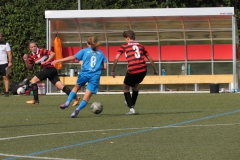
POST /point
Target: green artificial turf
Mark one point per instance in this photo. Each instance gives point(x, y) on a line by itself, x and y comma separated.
point(168, 127)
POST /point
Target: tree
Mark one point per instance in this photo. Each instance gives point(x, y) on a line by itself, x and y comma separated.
point(23, 21)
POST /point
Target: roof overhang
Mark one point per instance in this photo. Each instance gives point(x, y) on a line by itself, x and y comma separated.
point(139, 12)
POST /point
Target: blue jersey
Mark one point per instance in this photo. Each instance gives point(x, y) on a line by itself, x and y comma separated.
point(92, 61)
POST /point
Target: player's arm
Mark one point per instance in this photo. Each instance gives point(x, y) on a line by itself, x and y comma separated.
point(9, 53)
point(104, 66)
point(69, 58)
point(115, 64)
point(81, 62)
point(153, 65)
point(51, 56)
point(26, 61)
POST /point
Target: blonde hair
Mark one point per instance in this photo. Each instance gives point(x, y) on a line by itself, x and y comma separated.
point(93, 42)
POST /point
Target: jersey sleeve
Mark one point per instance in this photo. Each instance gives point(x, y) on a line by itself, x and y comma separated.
point(46, 52)
point(145, 52)
point(121, 50)
point(8, 48)
point(104, 59)
point(30, 59)
point(79, 55)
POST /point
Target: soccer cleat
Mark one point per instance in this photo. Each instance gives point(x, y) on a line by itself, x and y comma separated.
point(32, 102)
point(76, 102)
point(131, 112)
point(6, 94)
point(75, 113)
point(65, 105)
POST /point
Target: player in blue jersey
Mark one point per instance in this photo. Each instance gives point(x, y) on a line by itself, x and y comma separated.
point(93, 62)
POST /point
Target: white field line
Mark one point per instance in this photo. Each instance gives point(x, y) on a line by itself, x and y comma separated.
point(119, 129)
point(33, 157)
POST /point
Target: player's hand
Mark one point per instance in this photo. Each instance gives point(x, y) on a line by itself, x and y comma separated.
point(25, 57)
point(43, 62)
point(54, 62)
point(9, 64)
point(113, 74)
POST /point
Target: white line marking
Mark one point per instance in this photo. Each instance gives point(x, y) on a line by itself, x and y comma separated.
point(33, 157)
point(107, 130)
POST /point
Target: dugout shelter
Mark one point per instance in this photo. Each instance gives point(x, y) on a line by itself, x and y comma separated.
point(182, 41)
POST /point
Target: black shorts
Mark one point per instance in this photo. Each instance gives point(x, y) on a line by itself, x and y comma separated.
point(133, 79)
point(3, 69)
point(50, 73)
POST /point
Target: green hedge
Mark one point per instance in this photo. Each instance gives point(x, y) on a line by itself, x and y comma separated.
point(23, 21)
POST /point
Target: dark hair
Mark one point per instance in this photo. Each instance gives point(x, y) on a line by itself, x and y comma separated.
point(130, 34)
point(32, 41)
point(93, 42)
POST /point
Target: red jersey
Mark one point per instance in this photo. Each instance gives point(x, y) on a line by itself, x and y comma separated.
point(41, 55)
point(135, 54)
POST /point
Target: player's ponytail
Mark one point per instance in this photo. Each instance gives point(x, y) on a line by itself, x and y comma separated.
point(93, 42)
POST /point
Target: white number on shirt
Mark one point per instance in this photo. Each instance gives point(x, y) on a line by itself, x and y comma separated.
point(137, 53)
point(93, 61)
point(136, 49)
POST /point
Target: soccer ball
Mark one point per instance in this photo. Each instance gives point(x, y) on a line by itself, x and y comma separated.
point(96, 107)
point(20, 90)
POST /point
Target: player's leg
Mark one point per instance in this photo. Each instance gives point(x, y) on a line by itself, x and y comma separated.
point(34, 82)
point(41, 75)
point(91, 88)
point(6, 84)
point(88, 94)
point(71, 96)
point(5, 78)
point(135, 89)
point(74, 91)
point(128, 81)
point(127, 95)
point(135, 94)
point(53, 77)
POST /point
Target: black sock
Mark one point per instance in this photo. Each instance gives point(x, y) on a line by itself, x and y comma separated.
point(66, 90)
point(128, 99)
point(35, 91)
point(134, 96)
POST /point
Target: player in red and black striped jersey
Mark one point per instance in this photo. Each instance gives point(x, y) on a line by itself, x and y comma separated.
point(44, 58)
point(135, 54)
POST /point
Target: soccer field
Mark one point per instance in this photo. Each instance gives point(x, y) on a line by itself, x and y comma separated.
point(169, 127)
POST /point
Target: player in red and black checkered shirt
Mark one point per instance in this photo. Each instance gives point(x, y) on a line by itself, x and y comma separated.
point(43, 57)
point(135, 54)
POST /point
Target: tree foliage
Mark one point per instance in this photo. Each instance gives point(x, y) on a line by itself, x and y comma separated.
point(24, 20)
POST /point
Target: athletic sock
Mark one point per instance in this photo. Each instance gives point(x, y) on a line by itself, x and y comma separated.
point(128, 99)
point(35, 91)
point(71, 96)
point(134, 96)
point(66, 90)
point(82, 105)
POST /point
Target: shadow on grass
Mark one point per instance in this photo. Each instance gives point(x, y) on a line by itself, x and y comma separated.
point(139, 114)
point(29, 125)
